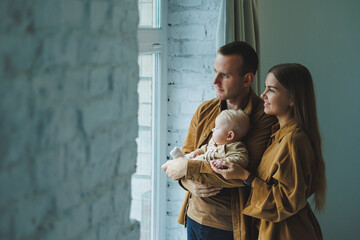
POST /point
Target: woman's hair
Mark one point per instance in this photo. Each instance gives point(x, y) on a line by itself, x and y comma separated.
point(298, 81)
point(238, 122)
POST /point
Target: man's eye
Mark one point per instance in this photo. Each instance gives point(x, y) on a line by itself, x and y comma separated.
point(224, 75)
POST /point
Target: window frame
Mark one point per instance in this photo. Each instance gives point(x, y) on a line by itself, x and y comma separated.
point(154, 40)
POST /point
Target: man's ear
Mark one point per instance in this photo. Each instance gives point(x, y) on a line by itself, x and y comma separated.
point(230, 136)
point(248, 78)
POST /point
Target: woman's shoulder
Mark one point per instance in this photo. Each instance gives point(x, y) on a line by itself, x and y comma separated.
point(298, 138)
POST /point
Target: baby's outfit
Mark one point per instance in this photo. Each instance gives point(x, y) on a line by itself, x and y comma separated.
point(235, 152)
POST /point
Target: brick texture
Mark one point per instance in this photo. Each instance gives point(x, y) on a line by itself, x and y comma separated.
point(191, 49)
point(68, 107)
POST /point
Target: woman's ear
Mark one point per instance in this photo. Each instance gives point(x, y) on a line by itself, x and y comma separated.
point(230, 136)
point(291, 101)
point(248, 78)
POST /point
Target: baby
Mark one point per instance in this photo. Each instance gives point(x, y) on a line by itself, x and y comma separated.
point(230, 127)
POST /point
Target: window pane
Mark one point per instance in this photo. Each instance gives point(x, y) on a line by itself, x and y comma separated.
point(141, 184)
point(146, 9)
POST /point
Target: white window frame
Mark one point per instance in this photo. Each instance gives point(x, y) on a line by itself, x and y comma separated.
point(154, 40)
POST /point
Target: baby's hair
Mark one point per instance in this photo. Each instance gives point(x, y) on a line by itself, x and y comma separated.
point(239, 122)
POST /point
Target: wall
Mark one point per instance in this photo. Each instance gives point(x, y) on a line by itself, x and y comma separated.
point(68, 107)
point(324, 36)
point(191, 53)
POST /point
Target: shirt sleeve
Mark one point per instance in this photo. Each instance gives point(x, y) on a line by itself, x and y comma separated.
point(202, 149)
point(190, 144)
point(240, 156)
point(200, 171)
point(286, 192)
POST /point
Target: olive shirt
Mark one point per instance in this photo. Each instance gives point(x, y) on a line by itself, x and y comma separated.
point(285, 179)
point(256, 140)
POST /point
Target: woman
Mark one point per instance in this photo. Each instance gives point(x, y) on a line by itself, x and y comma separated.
point(292, 167)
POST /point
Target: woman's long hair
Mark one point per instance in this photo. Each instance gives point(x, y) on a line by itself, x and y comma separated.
point(298, 81)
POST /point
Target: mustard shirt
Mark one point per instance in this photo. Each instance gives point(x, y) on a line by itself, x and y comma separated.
point(256, 141)
point(285, 179)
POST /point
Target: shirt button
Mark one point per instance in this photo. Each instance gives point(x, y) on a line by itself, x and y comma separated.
point(204, 135)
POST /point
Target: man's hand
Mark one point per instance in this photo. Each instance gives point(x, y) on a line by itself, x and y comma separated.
point(229, 170)
point(193, 154)
point(198, 189)
point(175, 168)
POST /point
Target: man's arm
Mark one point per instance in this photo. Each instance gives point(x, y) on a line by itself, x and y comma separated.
point(178, 168)
point(256, 142)
point(200, 171)
point(198, 189)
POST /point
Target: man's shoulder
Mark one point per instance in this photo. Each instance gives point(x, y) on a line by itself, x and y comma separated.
point(209, 105)
point(258, 115)
point(258, 104)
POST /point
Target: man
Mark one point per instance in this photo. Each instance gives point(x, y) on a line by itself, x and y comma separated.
point(208, 212)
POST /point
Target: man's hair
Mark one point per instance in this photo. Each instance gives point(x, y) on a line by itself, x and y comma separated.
point(238, 121)
point(248, 54)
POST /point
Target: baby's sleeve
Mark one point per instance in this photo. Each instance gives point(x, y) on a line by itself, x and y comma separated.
point(202, 149)
point(238, 155)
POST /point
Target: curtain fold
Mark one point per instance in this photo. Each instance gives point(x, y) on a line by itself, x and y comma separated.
point(238, 21)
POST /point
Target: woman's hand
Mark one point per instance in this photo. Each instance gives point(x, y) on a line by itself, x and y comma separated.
point(198, 189)
point(175, 168)
point(229, 170)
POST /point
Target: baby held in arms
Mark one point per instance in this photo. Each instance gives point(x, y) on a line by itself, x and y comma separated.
point(225, 144)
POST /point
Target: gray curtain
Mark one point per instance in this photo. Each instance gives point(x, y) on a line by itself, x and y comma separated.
point(238, 21)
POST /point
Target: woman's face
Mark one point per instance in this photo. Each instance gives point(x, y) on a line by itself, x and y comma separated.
point(276, 97)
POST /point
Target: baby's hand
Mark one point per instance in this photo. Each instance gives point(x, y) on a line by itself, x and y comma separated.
point(193, 154)
point(219, 164)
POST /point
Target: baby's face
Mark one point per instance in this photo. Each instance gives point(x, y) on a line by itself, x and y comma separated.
point(221, 130)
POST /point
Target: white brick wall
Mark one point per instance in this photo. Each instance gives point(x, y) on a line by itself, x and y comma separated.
point(68, 107)
point(191, 48)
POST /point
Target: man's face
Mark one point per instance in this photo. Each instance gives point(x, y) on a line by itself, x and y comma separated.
point(228, 82)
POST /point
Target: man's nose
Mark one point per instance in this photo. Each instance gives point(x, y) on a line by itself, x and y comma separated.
point(216, 79)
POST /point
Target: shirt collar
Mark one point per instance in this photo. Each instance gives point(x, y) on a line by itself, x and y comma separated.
point(278, 133)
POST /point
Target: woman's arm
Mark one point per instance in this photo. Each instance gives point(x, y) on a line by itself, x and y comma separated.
point(289, 186)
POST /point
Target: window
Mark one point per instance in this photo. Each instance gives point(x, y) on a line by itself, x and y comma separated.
point(148, 183)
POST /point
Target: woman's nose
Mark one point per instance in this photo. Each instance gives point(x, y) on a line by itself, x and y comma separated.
point(263, 95)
